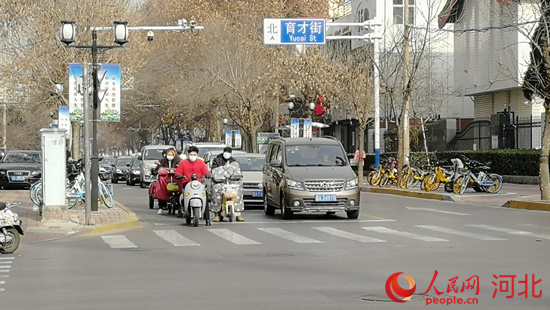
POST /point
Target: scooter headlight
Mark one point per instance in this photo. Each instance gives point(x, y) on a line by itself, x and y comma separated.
point(195, 185)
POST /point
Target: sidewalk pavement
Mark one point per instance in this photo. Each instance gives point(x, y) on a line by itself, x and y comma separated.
point(519, 196)
point(36, 231)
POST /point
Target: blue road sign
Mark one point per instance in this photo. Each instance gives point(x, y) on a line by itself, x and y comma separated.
point(294, 31)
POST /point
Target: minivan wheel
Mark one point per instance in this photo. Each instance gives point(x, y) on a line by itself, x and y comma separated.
point(286, 212)
point(352, 215)
point(268, 209)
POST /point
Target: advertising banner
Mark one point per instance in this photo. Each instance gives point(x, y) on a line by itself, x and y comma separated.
point(228, 138)
point(75, 92)
point(109, 93)
point(307, 128)
point(294, 128)
point(64, 119)
point(238, 139)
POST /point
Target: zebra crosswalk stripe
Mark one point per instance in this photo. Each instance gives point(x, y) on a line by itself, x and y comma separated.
point(289, 235)
point(6, 258)
point(511, 231)
point(118, 242)
point(174, 238)
point(8, 267)
point(232, 237)
point(347, 235)
point(385, 230)
point(459, 233)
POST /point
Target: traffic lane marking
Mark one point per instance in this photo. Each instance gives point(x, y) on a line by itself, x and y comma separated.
point(435, 210)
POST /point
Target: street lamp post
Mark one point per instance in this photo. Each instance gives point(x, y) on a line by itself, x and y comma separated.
point(373, 25)
point(120, 33)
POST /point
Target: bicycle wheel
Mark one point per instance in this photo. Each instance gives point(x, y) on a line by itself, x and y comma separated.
point(432, 182)
point(384, 179)
point(461, 184)
point(403, 180)
point(106, 196)
point(496, 186)
point(374, 178)
point(33, 192)
point(70, 198)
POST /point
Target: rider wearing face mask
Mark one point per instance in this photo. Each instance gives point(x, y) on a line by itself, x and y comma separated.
point(223, 158)
point(191, 165)
point(220, 161)
point(170, 159)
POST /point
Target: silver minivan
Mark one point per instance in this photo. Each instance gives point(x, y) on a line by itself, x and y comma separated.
point(149, 155)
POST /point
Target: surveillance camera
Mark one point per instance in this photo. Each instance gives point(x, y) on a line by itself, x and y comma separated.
point(183, 23)
point(192, 23)
point(150, 36)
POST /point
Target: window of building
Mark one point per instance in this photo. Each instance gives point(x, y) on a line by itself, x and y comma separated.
point(399, 11)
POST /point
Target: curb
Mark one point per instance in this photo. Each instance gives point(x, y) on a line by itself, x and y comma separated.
point(414, 194)
point(131, 218)
point(528, 205)
point(130, 221)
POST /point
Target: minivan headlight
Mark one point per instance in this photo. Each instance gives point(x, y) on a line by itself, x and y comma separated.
point(352, 184)
point(294, 185)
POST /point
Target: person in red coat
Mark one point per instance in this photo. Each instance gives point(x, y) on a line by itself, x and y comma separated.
point(191, 165)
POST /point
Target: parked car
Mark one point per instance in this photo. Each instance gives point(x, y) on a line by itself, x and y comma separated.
point(252, 165)
point(149, 155)
point(132, 173)
point(106, 168)
point(309, 175)
point(120, 168)
point(20, 168)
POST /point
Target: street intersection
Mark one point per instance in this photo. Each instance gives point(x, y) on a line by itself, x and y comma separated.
point(315, 261)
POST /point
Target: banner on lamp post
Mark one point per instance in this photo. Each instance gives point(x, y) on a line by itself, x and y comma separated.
point(294, 128)
point(75, 92)
point(64, 119)
point(307, 128)
point(109, 93)
point(228, 138)
point(238, 139)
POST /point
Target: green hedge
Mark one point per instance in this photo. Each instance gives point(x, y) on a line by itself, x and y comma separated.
point(503, 162)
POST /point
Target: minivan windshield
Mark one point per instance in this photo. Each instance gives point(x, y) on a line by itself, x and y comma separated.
point(153, 154)
point(315, 155)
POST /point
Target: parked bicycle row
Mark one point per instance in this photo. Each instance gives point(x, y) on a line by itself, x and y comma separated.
point(463, 173)
point(75, 193)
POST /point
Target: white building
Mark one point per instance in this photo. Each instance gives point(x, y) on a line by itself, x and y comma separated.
point(492, 55)
point(434, 91)
point(438, 60)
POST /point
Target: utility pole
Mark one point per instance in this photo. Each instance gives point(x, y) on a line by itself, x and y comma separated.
point(404, 143)
point(86, 112)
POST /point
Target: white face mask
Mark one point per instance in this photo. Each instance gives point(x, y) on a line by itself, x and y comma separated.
point(226, 155)
point(169, 157)
point(192, 158)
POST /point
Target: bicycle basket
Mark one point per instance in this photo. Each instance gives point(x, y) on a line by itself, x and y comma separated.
point(172, 187)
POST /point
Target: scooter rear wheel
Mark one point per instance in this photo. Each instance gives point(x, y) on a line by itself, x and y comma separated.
point(11, 246)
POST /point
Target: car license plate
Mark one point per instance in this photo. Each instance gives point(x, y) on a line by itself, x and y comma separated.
point(18, 178)
point(325, 197)
point(257, 194)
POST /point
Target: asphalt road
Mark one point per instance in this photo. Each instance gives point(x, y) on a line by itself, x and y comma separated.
point(312, 262)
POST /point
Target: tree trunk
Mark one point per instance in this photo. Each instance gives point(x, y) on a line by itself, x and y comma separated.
point(76, 140)
point(544, 172)
point(360, 136)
